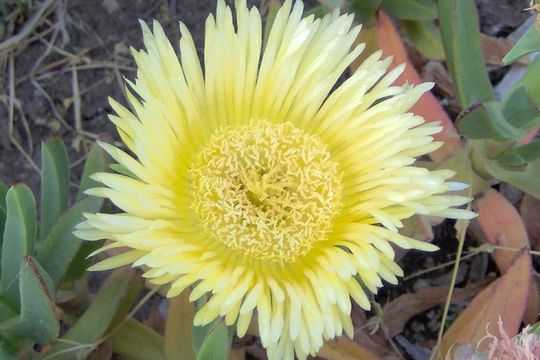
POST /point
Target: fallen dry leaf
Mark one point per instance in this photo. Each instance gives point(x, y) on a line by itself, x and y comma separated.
point(344, 348)
point(530, 211)
point(506, 298)
point(375, 342)
point(237, 353)
point(436, 72)
point(397, 312)
point(502, 225)
point(495, 49)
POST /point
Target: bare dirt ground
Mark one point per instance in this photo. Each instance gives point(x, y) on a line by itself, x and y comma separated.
point(57, 80)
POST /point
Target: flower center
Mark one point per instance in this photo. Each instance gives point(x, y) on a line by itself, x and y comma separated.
point(267, 190)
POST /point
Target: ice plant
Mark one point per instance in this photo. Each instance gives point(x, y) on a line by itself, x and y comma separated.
point(255, 183)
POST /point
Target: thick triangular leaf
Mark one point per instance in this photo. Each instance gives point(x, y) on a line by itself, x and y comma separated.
point(520, 156)
point(6, 312)
point(3, 213)
point(54, 183)
point(520, 109)
point(138, 342)
point(426, 37)
point(19, 238)
point(7, 351)
point(38, 319)
point(523, 177)
point(60, 247)
point(459, 29)
point(88, 331)
point(487, 121)
point(364, 9)
point(216, 344)
point(97, 161)
point(529, 81)
point(411, 9)
point(528, 43)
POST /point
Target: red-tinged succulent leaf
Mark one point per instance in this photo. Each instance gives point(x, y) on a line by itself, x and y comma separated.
point(389, 40)
point(345, 349)
point(531, 135)
point(505, 298)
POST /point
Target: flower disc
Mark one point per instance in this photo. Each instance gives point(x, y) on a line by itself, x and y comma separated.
point(267, 190)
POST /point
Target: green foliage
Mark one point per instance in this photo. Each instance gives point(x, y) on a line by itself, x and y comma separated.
point(460, 32)
point(138, 342)
point(32, 270)
point(487, 121)
point(61, 246)
point(38, 319)
point(3, 210)
point(411, 9)
point(54, 183)
point(19, 238)
point(426, 37)
point(114, 297)
point(494, 127)
point(364, 9)
point(529, 43)
point(535, 328)
point(216, 343)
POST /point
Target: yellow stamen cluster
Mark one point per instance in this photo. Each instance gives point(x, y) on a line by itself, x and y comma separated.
point(267, 190)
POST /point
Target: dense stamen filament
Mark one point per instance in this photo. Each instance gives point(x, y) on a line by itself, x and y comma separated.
point(268, 190)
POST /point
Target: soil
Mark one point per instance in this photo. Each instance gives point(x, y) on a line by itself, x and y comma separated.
point(84, 48)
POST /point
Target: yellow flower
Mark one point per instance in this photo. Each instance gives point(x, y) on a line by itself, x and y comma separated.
point(257, 184)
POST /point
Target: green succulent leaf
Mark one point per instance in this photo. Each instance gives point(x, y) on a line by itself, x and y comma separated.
point(529, 85)
point(38, 319)
point(54, 183)
point(86, 334)
point(524, 178)
point(411, 9)
point(6, 312)
point(459, 29)
point(535, 328)
point(138, 342)
point(97, 161)
point(520, 109)
point(529, 43)
point(364, 9)
point(330, 4)
point(426, 37)
point(216, 344)
point(60, 247)
point(121, 169)
point(487, 121)
point(19, 238)
point(7, 351)
point(3, 210)
point(520, 156)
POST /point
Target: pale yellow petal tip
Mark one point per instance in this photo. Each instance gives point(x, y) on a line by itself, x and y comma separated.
point(424, 246)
